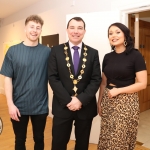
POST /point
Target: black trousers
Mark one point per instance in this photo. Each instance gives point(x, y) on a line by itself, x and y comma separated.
point(62, 129)
point(20, 130)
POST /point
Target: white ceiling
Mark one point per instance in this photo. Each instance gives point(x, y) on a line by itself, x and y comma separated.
point(8, 7)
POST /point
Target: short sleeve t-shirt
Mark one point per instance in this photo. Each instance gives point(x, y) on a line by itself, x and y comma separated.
point(120, 68)
point(28, 68)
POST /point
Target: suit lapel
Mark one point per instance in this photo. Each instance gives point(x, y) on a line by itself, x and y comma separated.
point(70, 59)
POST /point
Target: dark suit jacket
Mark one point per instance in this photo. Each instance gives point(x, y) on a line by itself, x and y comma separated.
point(62, 85)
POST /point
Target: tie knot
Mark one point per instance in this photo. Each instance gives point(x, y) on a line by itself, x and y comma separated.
point(75, 48)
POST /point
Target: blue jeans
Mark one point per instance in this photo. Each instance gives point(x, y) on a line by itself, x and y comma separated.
point(20, 131)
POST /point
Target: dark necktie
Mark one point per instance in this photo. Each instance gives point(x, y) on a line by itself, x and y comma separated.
point(75, 58)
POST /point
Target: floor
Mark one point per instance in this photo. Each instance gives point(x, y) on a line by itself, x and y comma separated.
point(7, 136)
point(144, 129)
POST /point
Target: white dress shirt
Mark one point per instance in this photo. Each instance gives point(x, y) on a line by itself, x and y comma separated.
point(72, 50)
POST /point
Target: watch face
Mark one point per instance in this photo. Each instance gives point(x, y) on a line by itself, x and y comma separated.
point(1, 126)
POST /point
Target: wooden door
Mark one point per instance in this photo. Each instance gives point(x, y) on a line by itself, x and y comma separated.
point(144, 41)
point(144, 48)
point(144, 95)
point(50, 40)
point(145, 99)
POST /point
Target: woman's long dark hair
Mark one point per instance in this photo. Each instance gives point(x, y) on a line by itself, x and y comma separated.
point(126, 31)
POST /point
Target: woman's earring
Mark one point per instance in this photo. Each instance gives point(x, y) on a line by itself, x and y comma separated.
point(125, 43)
point(112, 47)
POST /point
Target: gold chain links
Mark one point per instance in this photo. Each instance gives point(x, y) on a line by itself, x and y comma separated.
point(75, 81)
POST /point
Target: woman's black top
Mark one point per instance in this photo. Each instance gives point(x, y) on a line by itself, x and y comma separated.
point(120, 68)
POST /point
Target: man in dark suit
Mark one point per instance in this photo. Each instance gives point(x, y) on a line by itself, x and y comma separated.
point(74, 76)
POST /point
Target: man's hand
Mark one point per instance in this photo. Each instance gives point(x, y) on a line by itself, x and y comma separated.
point(14, 112)
point(75, 104)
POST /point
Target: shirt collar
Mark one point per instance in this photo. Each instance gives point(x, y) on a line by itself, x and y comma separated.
point(79, 45)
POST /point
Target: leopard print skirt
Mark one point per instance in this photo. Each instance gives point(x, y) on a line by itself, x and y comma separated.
point(119, 122)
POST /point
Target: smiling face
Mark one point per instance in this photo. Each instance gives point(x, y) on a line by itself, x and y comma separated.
point(75, 31)
point(33, 31)
point(116, 36)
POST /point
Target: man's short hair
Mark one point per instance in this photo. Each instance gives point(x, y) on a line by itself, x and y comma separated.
point(77, 19)
point(34, 18)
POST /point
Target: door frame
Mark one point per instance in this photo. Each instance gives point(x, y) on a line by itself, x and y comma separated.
point(126, 12)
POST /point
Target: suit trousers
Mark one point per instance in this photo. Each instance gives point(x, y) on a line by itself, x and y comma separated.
point(20, 130)
point(61, 131)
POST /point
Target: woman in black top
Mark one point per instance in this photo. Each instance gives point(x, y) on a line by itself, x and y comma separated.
point(124, 74)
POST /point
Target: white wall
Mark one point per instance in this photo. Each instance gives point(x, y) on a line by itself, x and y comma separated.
point(128, 4)
point(54, 14)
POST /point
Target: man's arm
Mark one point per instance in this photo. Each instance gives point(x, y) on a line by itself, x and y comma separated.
point(59, 91)
point(13, 110)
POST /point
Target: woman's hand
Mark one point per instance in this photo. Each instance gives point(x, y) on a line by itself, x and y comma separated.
point(113, 92)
